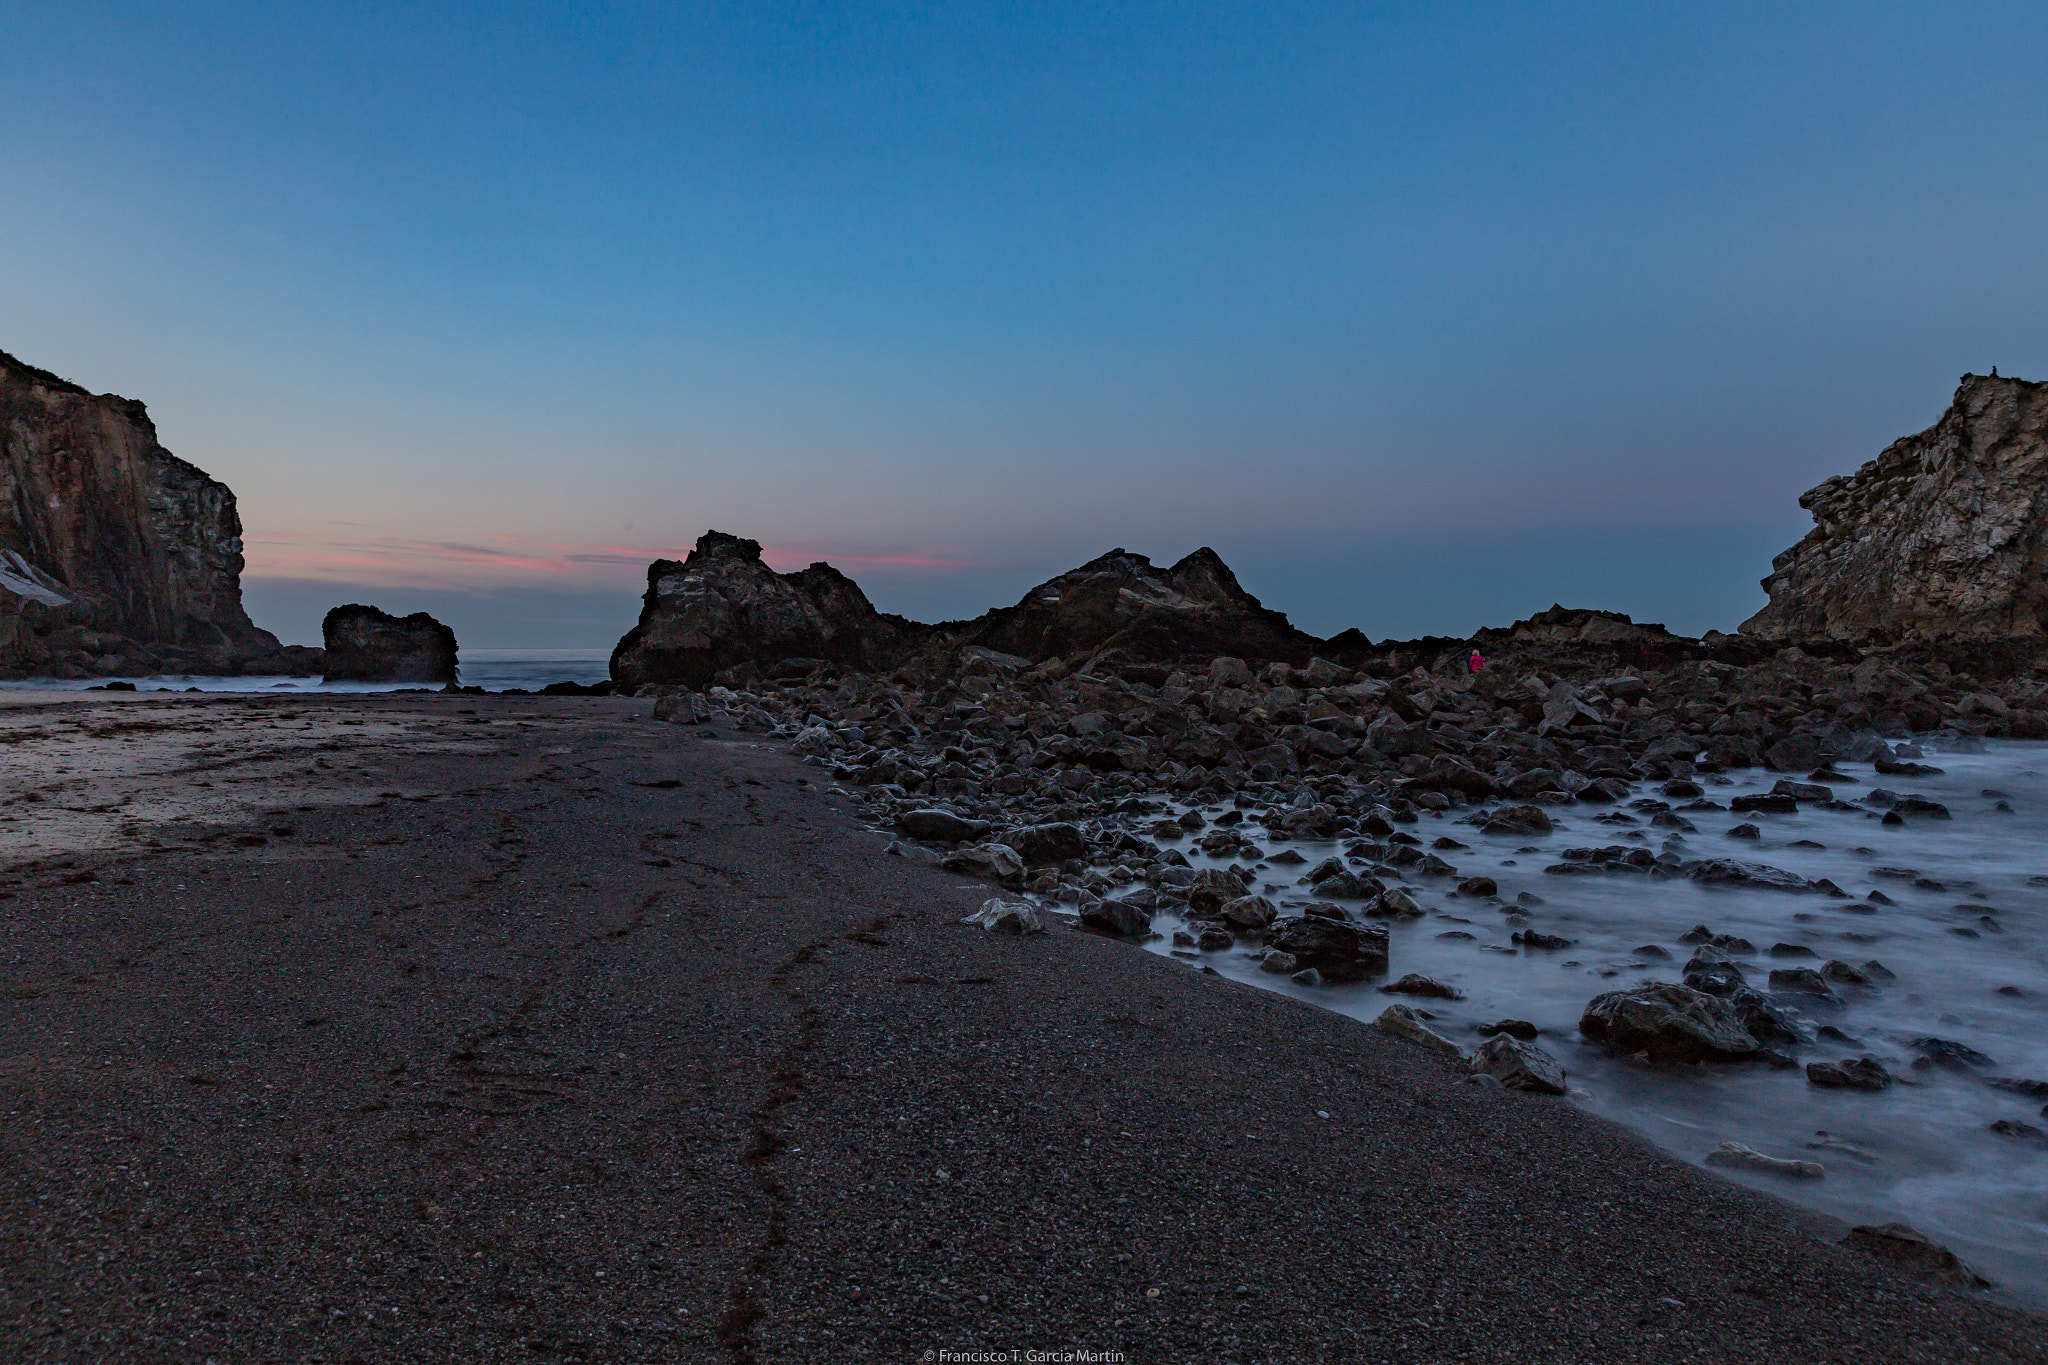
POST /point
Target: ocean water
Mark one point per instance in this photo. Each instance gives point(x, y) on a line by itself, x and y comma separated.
point(494, 669)
point(1965, 937)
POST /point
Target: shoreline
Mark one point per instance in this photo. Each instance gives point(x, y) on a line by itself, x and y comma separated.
point(609, 1069)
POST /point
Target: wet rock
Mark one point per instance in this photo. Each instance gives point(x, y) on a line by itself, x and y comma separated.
point(1279, 963)
point(364, 644)
point(1920, 806)
point(1521, 821)
point(1532, 938)
point(1951, 1055)
point(1307, 976)
point(1405, 1022)
point(1844, 974)
point(1007, 917)
point(1907, 1249)
point(1039, 845)
point(1248, 912)
point(2015, 1129)
point(1745, 831)
point(1803, 981)
point(1518, 1065)
point(941, 826)
point(997, 862)
point(1749, 1159)
point(1394, 903)
point(1514, 1028)
point(1800, 791)
point(1768, 804)
point(1348, 885)
point(1340, 951)
point(1213, 886)
point(2020, 1085)
point(1671, 1023)
point(1414, 983)
point(1731, 872)
point(1118, 918)
point(1478, 886)
point(1862, 1073)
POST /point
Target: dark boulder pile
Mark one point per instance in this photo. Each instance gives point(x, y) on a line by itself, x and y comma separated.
point(368, 645)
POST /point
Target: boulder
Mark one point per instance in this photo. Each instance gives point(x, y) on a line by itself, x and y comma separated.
point(1518, 1065)
point(941, 826)
point(1935, 538)
point(1750, 1159)
point(1120, 918)
point(1404, 1021)
point(1341, 951)
point(1212, 887)
point(1518, 820)
point(997, 862)
point(1047, 843)
point(1248, 912)
point(1008, 917)
point(364, 644)
point(1671, 1023)
point(1414, 983)
point(1862, 1073)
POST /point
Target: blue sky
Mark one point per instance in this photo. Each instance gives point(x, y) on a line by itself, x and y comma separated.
point(1423, 316)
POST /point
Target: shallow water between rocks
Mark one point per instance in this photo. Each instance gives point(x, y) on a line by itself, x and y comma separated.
point(1965, 923)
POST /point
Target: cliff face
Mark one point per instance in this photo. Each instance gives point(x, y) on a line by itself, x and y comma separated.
point(1944, 536)
point(722, 608)
point(115, 555)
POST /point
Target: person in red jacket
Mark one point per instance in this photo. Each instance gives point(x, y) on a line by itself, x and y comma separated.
point(1475, 663)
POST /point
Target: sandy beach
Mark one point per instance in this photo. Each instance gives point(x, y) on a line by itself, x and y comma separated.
point(424, 1027)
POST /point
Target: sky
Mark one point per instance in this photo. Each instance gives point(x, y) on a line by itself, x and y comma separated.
point(1423, 316)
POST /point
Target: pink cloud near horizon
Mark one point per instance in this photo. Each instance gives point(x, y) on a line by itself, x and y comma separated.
point(398, 562)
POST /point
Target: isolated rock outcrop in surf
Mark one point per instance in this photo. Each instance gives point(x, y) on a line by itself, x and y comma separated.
point(116, 556)
point(723, 608)
point(1942, 536)
point(368, 645)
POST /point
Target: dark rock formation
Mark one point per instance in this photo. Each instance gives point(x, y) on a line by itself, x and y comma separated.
point(116, 556)
point(1121, 601)
point(722, 608)
point(368, 645)
point(724, 612)
point(1943, 536)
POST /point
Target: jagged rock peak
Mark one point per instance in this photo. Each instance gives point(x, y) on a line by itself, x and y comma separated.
point(723, 608)
point(117, 555)
point(1581, 625)
point(1943, 536)
point(1123, 601)
point(365, 644)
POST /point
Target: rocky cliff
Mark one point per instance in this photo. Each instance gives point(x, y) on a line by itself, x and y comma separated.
point(1943, 537)
point(116, 556)
point(1123, 602)
point(364, 644)
point(723, 609)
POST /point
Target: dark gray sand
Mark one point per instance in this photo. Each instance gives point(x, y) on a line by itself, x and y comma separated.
point(596, 1040)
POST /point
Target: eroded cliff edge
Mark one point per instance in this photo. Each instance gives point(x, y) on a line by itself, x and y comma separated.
point(1942, 537)
point(116, 556)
